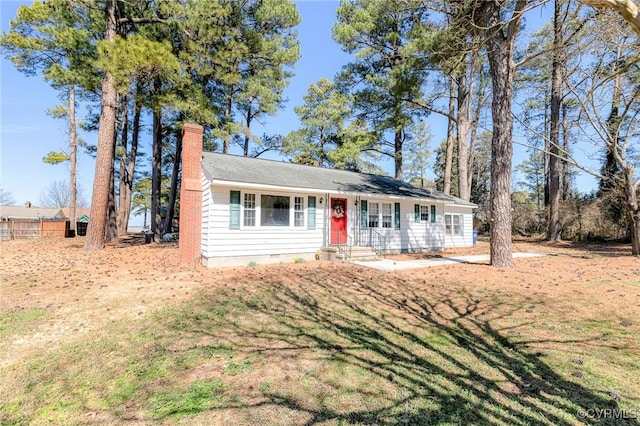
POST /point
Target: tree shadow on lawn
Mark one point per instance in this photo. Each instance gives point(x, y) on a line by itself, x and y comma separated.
point(436, 347)
point(604, 249)
point(599, 248)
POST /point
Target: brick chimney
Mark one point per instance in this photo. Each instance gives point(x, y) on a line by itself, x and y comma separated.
point(190, 244)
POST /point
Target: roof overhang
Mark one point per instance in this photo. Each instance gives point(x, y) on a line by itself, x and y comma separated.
point(261, 186)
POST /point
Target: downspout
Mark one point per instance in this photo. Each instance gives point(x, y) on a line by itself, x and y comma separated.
point(325, 221)
point(357, 226)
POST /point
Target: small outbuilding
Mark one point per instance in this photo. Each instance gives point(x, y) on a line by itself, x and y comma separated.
point(28, 212)
point(17, 222)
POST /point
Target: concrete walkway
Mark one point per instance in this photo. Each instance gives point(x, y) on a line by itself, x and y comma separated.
point(398, 265)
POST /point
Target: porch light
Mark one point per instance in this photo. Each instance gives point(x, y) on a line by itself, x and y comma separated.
point(321, 200)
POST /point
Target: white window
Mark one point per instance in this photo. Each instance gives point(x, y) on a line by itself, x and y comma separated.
point(453, 223)
point(374, 212)
point(387, 216)
point(274, 210)
point(424, 213)
point(249, 210)
point(298, 211)
point(266, 210)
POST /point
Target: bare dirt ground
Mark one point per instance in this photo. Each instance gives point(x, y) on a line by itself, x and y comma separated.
point(85, 290)
point(590, 290)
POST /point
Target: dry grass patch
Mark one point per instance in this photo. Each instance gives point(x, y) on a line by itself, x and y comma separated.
point(319, 343)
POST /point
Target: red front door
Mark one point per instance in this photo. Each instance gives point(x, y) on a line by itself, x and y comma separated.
point(338, 220)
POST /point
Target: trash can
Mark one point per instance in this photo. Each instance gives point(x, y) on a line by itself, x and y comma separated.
point(475, 237)
point(81, 228)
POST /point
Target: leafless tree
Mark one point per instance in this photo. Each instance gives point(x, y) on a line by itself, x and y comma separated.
point(628, 9)
point(57, 195)
point(6, 198)
point(609, 97)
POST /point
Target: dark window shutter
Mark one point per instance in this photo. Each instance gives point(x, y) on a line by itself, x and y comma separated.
point(311, 216)
point(417, 212)
point(397, 215)
point(364, 217)
point(433, 214)
point(234, 209)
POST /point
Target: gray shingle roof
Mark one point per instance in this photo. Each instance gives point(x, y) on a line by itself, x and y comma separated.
point(232, 168)
point(20, 212)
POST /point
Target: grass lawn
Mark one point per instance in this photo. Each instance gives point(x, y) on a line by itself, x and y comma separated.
point(335, 344)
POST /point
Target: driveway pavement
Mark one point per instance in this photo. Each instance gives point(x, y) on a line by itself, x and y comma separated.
point(397, 265)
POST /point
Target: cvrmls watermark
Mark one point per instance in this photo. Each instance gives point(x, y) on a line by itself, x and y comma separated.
point(608, 413)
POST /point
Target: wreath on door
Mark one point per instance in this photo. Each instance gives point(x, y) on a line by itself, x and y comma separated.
point(338, 210)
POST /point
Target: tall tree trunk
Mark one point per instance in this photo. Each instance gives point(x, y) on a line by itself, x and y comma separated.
point(473, 130)
point(227, 117)
point(613, 131)
point(173, 192)
point(500, 44)
point(566, 133)
point(111, 233)
point(73, 160)
point(547, 148)
point(632, 208)
point(553, 229)
point(131, 165)
point(156, 176)
point(145, 218)
point(398, 141)
point(448, 162)
point(95, 237)
point(247, 139)
point(463, 126)
point(126, 190)
point(123, 216)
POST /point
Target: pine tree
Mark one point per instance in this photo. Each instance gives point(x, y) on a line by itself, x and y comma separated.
point(389, 70)
point(55, 39)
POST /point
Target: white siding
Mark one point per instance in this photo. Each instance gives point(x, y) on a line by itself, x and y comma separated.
point(220, 241)
point(282, 243)
point(466, 239)
point(413, 236)
point(421, 236)
point(207, 200)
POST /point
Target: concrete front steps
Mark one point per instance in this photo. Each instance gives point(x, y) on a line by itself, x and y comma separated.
point(363, 254)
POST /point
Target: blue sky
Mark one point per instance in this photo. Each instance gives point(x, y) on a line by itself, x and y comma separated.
point(27, 133)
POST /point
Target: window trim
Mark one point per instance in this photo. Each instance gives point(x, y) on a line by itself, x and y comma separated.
point(275, 210)
point(390, 222)
point(377, 215)
point(292, 212)
point(450, 226)
point(246, 209)
point(297, 211)
point(422, 213)
point(392, 214)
